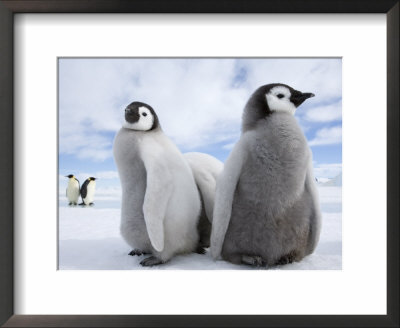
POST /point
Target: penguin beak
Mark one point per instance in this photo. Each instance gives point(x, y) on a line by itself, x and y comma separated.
point(298, 97)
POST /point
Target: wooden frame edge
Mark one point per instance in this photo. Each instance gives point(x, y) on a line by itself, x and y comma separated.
point(9, 8)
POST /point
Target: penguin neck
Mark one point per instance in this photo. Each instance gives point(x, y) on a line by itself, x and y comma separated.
point(72, 182)
point(253, 114)
point(272, 116)
point(141, 132)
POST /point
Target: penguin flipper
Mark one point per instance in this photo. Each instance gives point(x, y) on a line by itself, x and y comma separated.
point(158, 192)
point(226, 186)
point(84, 189)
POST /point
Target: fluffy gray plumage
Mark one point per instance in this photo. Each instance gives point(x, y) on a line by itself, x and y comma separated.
point(266, 209)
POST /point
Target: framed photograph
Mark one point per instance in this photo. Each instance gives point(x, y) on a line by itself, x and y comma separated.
point(72, 74)
point(92, 123)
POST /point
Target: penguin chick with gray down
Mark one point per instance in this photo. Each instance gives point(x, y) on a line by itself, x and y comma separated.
point(73, 190)
point(205, 169)
point(160, 202)
point(87, 191)
point(266, 208)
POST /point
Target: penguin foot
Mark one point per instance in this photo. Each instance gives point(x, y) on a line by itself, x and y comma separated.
point(137, 252)
point(91, 204)
point(253, 260)
point(286, 259)
point(150, 261)
point(200, 250)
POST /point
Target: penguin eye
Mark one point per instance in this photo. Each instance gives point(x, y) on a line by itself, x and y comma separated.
point(144, 114)
point(280, 96)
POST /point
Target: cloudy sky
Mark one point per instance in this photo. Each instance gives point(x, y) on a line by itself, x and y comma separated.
point(199, 103)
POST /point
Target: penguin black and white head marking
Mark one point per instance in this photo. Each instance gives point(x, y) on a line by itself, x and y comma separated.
point(140, 116)
point(271, 98)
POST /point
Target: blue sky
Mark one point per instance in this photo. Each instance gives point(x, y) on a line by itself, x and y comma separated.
point(199, 103)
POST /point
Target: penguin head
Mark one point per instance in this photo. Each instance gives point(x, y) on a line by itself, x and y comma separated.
point(92, 179)
point(141, 117)
point(272, 98)
point(70, 176)
point(282, 98)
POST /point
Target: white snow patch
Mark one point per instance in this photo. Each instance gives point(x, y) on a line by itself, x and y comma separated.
point(89, 239)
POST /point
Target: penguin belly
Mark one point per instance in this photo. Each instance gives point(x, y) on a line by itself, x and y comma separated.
point(253, 231)
point(271, 209)
point(73, 192)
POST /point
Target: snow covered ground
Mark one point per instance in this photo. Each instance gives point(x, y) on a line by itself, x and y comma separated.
point(89, 239)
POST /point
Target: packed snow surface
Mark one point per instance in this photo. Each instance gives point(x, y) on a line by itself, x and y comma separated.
point(89, 239)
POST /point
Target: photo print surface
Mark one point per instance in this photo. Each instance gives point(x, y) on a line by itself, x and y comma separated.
point(152, 149)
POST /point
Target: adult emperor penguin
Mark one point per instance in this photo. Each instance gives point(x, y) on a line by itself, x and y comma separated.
point(266, 208)
point(160, 201)
point(87, 191)
point(205, 169)
point(72, 191)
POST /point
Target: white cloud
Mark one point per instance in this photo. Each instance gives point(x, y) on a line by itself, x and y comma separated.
point(320, 76)
point(327, 136)
point(328, 113)
point(199, 102)
point(102, 175)
point(229, 146)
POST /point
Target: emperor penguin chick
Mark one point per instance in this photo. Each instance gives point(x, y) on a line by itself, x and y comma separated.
point(160, 201)
point(87, 191)
point(205, 169)
point(266, 208)
point(73, 190)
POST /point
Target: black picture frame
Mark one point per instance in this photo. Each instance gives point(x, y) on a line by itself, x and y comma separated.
point(10, 7)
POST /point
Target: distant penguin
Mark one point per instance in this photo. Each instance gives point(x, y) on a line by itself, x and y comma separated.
point(266, 208)
point(87, 191)
point(160, 202)
point(72, 191)
point(206, 170)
